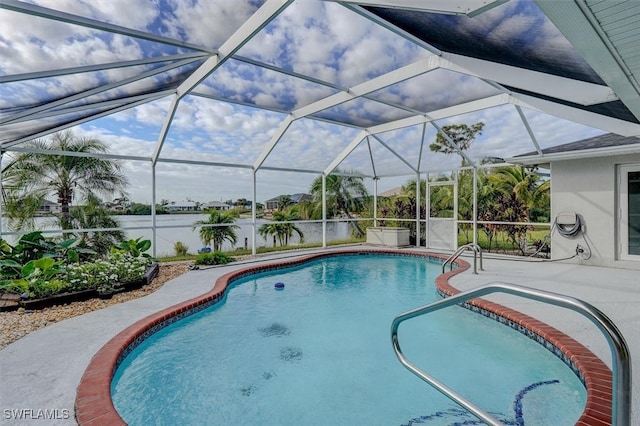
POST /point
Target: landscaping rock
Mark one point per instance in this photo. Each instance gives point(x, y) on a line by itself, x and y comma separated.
point(18, 323)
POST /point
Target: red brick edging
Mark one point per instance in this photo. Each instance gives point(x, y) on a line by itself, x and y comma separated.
point(93, 404)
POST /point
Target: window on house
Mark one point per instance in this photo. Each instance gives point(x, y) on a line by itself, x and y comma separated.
point(629, 214)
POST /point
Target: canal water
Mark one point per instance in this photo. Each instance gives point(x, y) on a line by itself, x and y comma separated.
point(179, 227)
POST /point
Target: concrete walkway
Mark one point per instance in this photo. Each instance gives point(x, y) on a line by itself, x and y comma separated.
point(42, 370)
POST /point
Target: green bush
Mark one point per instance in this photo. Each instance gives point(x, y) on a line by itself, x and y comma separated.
point(135, 247)
point(215, 258)
point(118, 267)
point(40, 267)
point(180, 248)
point(33, 247)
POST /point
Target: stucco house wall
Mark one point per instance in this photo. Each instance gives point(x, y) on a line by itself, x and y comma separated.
point(589, 188)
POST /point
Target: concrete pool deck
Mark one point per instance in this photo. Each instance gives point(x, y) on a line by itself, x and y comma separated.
point(42, 370)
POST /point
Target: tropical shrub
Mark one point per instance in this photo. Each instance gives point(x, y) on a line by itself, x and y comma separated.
point(59, 270)
point(135, 247)
point(33, 246)
point(224, 229)
point(215, 258)
point(283, 227)
point(37, 277)
point(118, 267)
point(180, 248)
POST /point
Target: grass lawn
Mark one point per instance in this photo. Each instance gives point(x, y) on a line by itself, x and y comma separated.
point(500, 240)
point(260, 250)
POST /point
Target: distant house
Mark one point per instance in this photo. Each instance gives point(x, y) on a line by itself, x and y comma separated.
point(216, 205)
point(182, 206)
point(119, 204)
point(48, 207)
point(272, 204)
point(391, 193)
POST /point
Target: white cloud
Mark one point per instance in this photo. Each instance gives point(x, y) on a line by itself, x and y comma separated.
point(208, 23)
point(128, 13)
point(330, 43)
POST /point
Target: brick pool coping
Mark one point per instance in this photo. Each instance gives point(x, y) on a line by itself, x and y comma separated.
point(94, 406)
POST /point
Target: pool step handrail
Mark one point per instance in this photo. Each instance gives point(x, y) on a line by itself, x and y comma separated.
point(477, 252)
point(620, 355)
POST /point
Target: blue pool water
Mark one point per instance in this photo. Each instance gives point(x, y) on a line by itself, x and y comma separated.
point(318, 352)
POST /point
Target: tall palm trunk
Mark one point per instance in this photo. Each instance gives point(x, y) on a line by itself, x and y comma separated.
point(354, 224)
point(65, 197)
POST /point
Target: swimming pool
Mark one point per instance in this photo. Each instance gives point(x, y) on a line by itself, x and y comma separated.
point(318, 352)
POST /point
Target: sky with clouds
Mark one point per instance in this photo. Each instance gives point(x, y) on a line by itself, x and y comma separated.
point(333, 47)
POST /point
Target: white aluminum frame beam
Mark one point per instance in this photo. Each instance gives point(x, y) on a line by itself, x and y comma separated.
point(256, 22)
point(393, 77)
point(587, 118)
point(273, 142)
point(289, 169)
point(71, 124)
point(465, 108)
point(265, 14)
point(97, 67)
point(203, 163)
point(567, 89)
point(104, 104)
point(385, 80)
point(345, 152)
point(94, 91)
point(424, 134)
point(373, 163)
point(532, 135)
point(78, 154)
point(401, 158)
point(175, 100)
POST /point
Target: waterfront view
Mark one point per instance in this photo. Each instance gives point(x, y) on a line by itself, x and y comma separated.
point(179, 227)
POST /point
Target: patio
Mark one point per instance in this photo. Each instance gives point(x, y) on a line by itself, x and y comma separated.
point(42, 370)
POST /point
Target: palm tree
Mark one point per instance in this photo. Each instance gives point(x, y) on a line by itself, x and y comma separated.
point(308, 210)
point(345, 194)
point(284, 201)
point(522, 183)
point(225, 229)
point(409, 189)
point(518, 191)
point(31, 176)
point(93, 215)
point(281, 231)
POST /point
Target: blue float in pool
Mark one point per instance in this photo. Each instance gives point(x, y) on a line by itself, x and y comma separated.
point(279, 286)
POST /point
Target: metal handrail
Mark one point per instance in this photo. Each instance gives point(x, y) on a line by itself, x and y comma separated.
point(477, 251)
point(621, 364)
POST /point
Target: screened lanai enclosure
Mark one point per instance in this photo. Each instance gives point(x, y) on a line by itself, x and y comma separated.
point(203, 101)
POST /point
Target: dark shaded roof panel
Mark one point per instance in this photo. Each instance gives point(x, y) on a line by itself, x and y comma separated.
point(516, 34)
